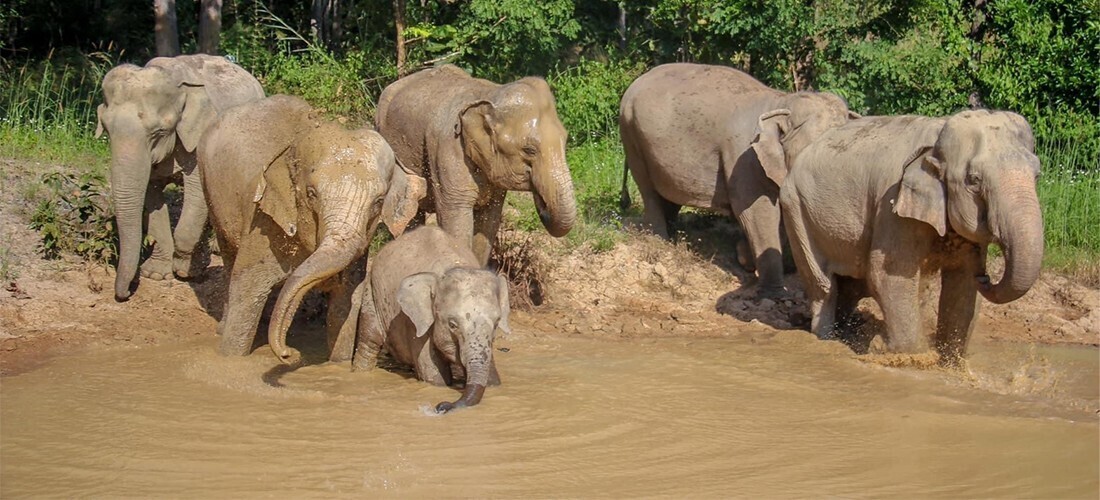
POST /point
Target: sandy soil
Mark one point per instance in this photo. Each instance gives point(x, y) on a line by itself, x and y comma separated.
point(642, 287)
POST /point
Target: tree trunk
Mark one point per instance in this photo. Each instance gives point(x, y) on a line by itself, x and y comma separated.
point(210, 26)
point(399, 21)
point(165, 28)
point(325, 23)
point(620, 26)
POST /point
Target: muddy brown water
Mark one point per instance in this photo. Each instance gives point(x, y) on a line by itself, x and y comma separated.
point(760, 415)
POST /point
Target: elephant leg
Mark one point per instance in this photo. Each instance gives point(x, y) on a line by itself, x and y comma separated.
point(345, 300)
point(896, 288)
point(159, 265)
point(370, 337)
point(848, 319)
point(823, 306)
point(958, 308)
point(432, 367)
point(250, 284)
point(658, 214)
point(190, 228)
point(486, 225)
point(457, 221)
point(760, 221)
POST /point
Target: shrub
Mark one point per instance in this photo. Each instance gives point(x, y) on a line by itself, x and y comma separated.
point(588, 96)
point(74, 216)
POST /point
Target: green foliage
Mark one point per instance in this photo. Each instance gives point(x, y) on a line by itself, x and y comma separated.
point(588, 97)
point(496, 39)
point(74, 216)
point(299, 66)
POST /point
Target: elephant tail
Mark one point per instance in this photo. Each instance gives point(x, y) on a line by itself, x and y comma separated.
point(624, 196)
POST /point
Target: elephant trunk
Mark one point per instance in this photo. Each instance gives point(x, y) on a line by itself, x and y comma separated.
point(130, 171)
point(342, 244)
point(554, 200)
point(1019, 231)
point(477, 377)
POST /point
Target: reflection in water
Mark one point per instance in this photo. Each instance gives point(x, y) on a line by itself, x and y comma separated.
point(778, 415)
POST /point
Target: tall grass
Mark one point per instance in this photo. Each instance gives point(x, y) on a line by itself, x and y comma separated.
point(48, 112)
point(1069, 194)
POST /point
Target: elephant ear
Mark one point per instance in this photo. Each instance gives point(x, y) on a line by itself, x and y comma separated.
point(415, 298)
point(403, 198)
point(921, 194)
point(99, 120)
point(197, 115)
point(505, 308)
point(476, 127)
point(275, 194)
point(768, 144)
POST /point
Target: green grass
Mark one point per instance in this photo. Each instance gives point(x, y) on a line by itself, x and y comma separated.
point(48, 113)
point(1069, 194)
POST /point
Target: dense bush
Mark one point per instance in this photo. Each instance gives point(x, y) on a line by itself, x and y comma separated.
point(588, 97)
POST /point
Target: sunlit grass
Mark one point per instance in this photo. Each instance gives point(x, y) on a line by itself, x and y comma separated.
point(1069, 193)
point(48, 113)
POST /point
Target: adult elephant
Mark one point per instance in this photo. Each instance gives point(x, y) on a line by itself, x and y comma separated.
point(714, 137)
point(474, 140)
point(296, 198)
point(155, 116)
point(877, 205)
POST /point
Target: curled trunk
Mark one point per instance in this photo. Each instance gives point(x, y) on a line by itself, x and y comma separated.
point(554, 200)
point(1020, 235)
point(332, 256)
point(130, 171)
point(477, 376)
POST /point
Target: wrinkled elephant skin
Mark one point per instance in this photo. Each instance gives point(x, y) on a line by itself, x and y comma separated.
point(877, 205)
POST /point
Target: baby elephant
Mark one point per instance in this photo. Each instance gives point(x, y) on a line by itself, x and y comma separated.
point(432, 306)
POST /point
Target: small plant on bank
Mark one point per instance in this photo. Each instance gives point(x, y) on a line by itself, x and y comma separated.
point(74, 216)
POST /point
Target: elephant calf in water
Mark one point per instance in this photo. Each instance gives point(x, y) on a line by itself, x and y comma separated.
point(429, 302)
point(298, 198)
point(877, 204)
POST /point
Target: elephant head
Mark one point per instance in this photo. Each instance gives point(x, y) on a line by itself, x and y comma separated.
point(515, 138)
point(466, 306)
point(328, 192)
point(146, 111)
point(784, 132)
point(979, 180)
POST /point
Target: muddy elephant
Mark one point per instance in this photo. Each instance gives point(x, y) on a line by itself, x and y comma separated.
point(714, 137)
point(432, 306)
point(155, 116)
point(877, 205)
point(298, 198)
point(474, 140)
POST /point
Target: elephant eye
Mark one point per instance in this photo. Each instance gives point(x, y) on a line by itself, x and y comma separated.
point(310, 192)
point(530, 150)
point(973, 179)
point(452, 324)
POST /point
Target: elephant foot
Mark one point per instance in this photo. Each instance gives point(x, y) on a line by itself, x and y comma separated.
point(181, 266)
point(156, 269)
point(233, 347)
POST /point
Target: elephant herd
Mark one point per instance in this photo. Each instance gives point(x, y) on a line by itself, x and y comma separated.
point(871, 205)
